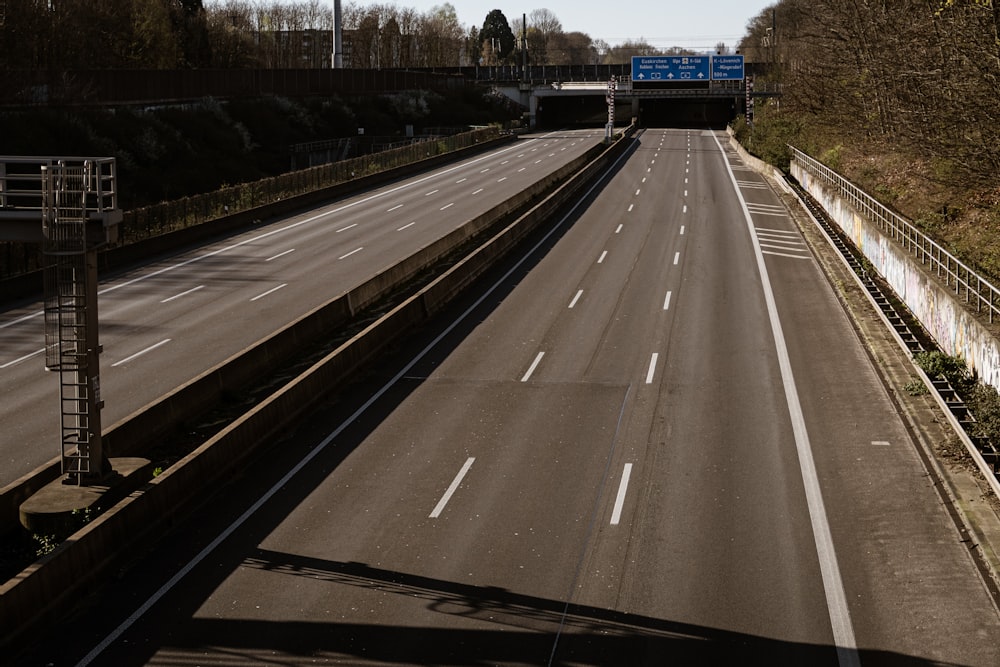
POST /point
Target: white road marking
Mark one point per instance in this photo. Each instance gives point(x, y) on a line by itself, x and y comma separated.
point(398, 206)
point(461, 180)
point(356, 250)
point(320, 447)
point(682, 230)
point(652, 368)
point(140, 353)
point(637, 192)
point(502, 179)
point(521, 169)
point(533, 366)
point(576, 298)
point(406, 226)
point(477, 191)
point(666, 302)
point(616, 515)
point(269, 292)
point(279, 255)
point(685, 210)
point(190, 291)
point(434, 192)
point(604, 254)
point(24, 358)
point(447, 206)
point(344, 229)
point(630, 207)
point(452, 488)
point(833, 584)
point(619, 230)
point(677, 258)
point(880, 443)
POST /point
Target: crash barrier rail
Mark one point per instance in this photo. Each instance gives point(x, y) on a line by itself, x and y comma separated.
point(955, 274)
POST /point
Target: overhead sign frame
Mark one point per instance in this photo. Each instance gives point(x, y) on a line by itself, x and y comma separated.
point(659, 69)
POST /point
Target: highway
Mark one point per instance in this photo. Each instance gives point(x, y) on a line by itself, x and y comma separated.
point(164, 323)
point(656, 439)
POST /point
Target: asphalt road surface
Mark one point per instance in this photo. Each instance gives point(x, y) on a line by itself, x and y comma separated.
point(655, 440)
point(167, 322)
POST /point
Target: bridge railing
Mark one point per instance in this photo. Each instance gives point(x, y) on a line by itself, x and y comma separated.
point(964, 280)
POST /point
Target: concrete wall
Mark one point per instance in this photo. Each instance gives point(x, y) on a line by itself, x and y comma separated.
point(957, 331)
point(45, 591)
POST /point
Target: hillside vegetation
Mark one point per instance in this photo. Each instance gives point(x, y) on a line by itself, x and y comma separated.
point(900, 97)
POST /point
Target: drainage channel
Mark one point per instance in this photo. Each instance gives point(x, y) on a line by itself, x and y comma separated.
point(902, 322)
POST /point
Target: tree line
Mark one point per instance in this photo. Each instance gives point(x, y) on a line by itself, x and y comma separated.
point(170, 34)
point(917, 75)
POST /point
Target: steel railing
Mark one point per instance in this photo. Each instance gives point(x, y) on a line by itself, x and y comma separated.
point(954, 273)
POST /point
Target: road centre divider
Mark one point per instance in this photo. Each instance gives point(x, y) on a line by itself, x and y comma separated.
point(44, 591)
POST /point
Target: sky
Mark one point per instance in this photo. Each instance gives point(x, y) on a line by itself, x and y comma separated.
point(693, 24)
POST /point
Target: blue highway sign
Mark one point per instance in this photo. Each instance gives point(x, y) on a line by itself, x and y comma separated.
point(671, 68)
point(727, 68)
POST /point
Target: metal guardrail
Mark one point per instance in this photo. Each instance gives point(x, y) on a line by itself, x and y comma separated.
point(955, 274)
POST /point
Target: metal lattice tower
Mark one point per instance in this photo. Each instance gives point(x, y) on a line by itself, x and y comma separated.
point(71, 342)
point(69, 205)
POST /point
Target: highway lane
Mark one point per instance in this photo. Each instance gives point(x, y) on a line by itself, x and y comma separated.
point(164, 323)
point(607, 461)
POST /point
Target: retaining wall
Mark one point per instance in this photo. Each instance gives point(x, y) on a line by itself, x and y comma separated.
point(956, 330)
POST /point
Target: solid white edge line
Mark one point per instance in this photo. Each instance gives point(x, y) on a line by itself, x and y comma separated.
point(24, 358)
point(533, 366)
point(269, 292)
point(140, 353)
point(833, 584)
point(452, 488)
point(318, 449)
point(651, 373)
point(616, 515)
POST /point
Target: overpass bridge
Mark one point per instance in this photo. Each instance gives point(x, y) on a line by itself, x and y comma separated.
point(556, 96)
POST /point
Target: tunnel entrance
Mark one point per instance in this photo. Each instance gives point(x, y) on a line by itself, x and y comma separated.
point(711, 113)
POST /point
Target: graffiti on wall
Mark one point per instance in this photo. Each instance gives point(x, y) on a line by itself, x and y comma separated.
point(955, 330)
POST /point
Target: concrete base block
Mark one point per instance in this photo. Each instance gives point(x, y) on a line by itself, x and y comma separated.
point(60, 509)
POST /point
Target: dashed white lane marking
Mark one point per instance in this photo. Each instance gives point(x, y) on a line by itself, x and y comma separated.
point(677, 258)
point(478, 191)
point(604, 254)
point(140, 353)
point(534, 365)
point(279, 255)
point(630, 207)
point(447, 206)
point(186, 292)
point(652, 368)
point(682, 230)
point(616, 515)
point(406, 226)
point(576, 298)
point(881, 443)
point(666, 302)
point(356, 250)
point(344, 229)
point(452, 488)
point(394, 208)
point(434, 192)
point(269, 292)
point(619, 230)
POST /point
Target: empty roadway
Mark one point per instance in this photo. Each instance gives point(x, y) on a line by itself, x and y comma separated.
point(165, 323)
point(658, 440)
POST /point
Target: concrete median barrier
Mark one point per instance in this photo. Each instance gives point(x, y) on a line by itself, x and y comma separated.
point(90, 557)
